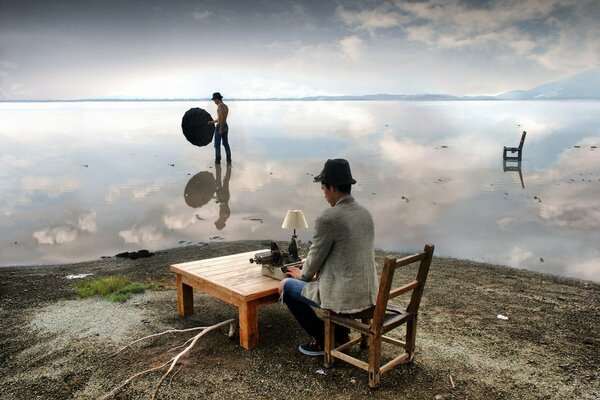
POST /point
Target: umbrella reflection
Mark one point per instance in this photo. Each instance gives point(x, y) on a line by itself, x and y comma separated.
point(509, 165)
point(203, 187)
point(200, 189)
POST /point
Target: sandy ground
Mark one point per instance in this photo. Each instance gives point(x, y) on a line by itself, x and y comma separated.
point(55, 346)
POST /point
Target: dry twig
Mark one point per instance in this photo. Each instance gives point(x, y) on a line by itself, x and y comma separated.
point(173, 361)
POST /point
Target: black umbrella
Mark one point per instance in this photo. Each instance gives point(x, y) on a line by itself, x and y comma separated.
point(196, 128)
point(200, 189)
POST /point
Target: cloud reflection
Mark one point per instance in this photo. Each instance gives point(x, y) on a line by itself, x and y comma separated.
point(53, 187)
point(572, 201)
point(141, 234)
point(67, 232)
point(427, 171)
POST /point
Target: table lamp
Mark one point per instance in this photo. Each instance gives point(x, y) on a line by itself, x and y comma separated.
point(294, 219)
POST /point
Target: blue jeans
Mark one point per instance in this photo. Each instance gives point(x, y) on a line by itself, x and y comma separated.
point(301, 308)
point(218, 139)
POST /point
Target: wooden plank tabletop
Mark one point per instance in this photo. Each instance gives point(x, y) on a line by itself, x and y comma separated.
point(234, 274)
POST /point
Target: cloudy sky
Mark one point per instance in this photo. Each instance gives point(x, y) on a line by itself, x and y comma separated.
point(63, 49)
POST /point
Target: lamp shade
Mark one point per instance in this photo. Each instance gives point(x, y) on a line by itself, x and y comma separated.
point(294, 219)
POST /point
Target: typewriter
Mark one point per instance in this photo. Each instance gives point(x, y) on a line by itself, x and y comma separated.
point(276, 261)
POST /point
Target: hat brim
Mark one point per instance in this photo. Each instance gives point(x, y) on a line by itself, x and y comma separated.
point(333, 181)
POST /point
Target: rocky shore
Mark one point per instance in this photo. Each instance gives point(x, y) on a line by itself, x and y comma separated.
point(56, 346)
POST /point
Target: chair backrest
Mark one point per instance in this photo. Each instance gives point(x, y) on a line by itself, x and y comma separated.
point(522, 140)
point(385, 286)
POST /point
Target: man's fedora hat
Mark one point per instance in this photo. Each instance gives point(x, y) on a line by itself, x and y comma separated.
point(217, 95)
point(336, 172)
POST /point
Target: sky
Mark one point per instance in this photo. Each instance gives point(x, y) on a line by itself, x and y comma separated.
point(63, 49)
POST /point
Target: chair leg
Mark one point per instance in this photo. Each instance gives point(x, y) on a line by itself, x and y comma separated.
point(329, 339)
point(364, 341)
point(374, 361)
point(411, 337)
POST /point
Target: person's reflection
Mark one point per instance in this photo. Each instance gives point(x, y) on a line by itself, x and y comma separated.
point(222, 195)
point(203, 187)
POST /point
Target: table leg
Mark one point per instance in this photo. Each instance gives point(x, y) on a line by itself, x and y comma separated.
point(185, 297)
point(248, 324)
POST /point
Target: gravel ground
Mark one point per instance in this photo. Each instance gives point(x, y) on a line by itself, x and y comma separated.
point(55, 346)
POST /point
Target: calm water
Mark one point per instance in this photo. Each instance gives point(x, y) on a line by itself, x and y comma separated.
point(84, 180)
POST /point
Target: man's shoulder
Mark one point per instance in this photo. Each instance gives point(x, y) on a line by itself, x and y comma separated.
point(343, 209)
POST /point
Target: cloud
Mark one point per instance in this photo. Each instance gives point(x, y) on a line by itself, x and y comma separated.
point(559, 35)
point(266, 87)
point(10, 87)
point(352, 47)
point(201, 15)
point(371, 19)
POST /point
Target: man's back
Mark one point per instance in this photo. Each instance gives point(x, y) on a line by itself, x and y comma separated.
point(343, 253)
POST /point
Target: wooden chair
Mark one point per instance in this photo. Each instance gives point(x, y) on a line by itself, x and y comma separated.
point(518, 150)
point(374, 322)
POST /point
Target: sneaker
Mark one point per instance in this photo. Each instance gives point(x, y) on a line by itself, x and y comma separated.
point(217, 161)
point(311, 349)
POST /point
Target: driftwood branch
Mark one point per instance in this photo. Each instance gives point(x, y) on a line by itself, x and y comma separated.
point(173, 361)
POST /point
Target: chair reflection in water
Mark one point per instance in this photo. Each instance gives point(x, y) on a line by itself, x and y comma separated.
point(375, 322)
point(508, 165)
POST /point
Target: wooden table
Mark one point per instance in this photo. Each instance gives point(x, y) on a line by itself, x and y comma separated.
point(232, 279)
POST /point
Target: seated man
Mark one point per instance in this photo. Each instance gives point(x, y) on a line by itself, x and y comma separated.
point(341, 257)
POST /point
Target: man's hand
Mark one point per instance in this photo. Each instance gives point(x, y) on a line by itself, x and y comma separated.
point(210, 123)
point(294, 272)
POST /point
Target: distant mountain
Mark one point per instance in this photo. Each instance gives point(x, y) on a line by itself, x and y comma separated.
point(421, 97)
point(583, 86)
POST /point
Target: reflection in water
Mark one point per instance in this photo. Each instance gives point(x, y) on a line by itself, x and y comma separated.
point(203, 187)
point(429, 167)
point(223, 196)
point(511, 165)
point(199, 189)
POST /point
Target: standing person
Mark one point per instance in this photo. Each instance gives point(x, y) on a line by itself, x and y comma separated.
point(342, 257)
point(221, 128)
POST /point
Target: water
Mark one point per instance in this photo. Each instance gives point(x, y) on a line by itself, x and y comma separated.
point(85, 180)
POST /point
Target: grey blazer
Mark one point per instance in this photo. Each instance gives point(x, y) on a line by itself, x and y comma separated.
point(343, 255)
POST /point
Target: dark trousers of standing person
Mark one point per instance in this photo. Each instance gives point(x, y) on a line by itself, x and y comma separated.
point(224, 139)
point(301, 308)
